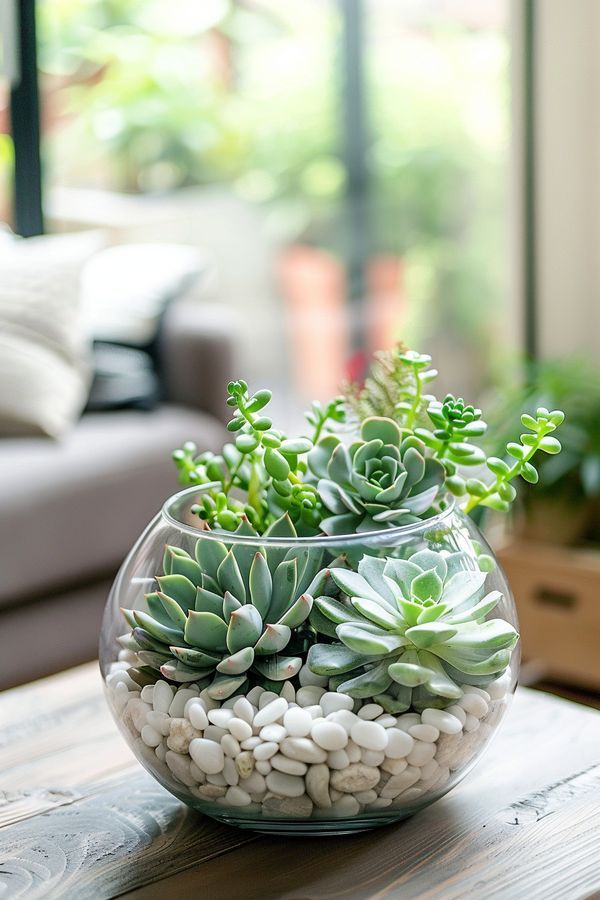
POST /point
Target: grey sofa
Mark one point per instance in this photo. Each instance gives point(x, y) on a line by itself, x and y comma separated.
point(70, 510)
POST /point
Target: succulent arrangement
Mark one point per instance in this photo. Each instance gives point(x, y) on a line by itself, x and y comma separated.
point(256, 599)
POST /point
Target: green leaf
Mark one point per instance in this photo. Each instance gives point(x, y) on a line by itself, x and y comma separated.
point(261, 584)
point(377, 613)
point(402, 572)
point(409, 674)
point(237, 663)
point(163, 633)
point(230, 578)
point(284, 587)
point(206, 631)
point(298, 612)
point(156, 609)
point(336, 611)
point(354, 585)
point(276, 464)
point(426, 586)
point(244, 629)
point(516, 450)
point(372, 642)
point(208, 601)
point(529, 473)
point(279, 668)
point(196, 659)
point(550, 445)
point(225, 686)
point(497, 466)
point(179, 588)
point(230, 605)
point(429, 559)
point(462, 587)
point(381, 428)
point(210, 554)
point(173, 610)
point(481, 609)
point(424, 636)
point(296, 445)
point(273, 639)
point(319, 456)
point(368, 684)
point(180, 673)
point(334, 659)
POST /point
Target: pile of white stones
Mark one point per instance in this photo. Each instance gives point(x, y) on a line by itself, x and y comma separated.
point(307, 752)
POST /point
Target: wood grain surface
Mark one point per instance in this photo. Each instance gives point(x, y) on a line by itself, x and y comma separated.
point(80, 819)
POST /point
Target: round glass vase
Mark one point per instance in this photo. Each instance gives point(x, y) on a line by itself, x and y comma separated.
point(261, 752)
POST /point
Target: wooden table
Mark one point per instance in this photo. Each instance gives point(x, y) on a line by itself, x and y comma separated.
point(79, 818)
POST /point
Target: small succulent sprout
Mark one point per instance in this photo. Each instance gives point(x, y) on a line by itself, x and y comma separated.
point(410, 632)
point(379, 481)
point(223, 617)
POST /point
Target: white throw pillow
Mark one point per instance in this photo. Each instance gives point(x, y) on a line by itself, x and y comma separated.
point(44, 356)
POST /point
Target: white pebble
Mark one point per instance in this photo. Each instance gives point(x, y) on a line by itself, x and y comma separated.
point(236, 796)
point(429, 769)
point(147, 692)
point(273, 733)
point(309, 695)
point(380, 803)
point(263, 766)
point(160, 721)
point(421, 753)
point(208, 701)
point(393, 766)
point(329, 735)
point(345, 807)
point(244, 710)
point(458, 713)
point(302, 749)
point(254, 695)
point(180, 767)
point(399, 783)
point(331, 702)
point(411, 795)
point(366, 797)
point(284, 785)
point(177, 707)
point(290, 766)
point(370, 711)
point(161, 751)
point(338, 759)
point(344, 717)
point(356, 777)
point(472, 723)
point(386, 721)
point(230, 773)
point(207, 755)
point(372, 757)
point(473, 704)
point(307, 678)
point(255, 783)
point(266, 750)
point(195, 712)
point(354, 752)
point(229, 703)
point(240, 729)
point(230, 746)
point(220, 717)
point(287, 692)
point(270, 712)
point(216, 778)
point(496, 689)
point(317, 785)
point(314, 711)
point(251, 742)
point(473, 689)
point(442, 720)
point(407, 720)
point(297, 722)
point(369, 735)
point(138, 710)
point(399, 743)
point(427, 733)
point(265, 698)
point(151, 736)
point(162, 696)
point(196, 773)
point(214, 733)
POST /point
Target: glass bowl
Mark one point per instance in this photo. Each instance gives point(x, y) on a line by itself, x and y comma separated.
point(277, 747)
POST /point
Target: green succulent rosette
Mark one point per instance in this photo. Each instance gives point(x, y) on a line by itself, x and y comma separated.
point(381, 480)
point(410, 632)
point(225, 616)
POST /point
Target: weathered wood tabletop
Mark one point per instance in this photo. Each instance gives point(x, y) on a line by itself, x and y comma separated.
point(79, 818)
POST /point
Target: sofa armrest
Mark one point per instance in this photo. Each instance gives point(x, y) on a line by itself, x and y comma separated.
point(196, 356)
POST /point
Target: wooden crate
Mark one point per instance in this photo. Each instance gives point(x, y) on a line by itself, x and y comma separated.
point(557, 591)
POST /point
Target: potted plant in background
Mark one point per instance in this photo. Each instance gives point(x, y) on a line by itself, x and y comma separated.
point(314, 636)
point(551, 546)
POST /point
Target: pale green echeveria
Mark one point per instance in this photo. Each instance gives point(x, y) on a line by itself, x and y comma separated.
point(224, 617)
point(380, 481)
point(409, 632)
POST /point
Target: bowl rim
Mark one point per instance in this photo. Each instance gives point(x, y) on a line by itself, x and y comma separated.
point(382, 537)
